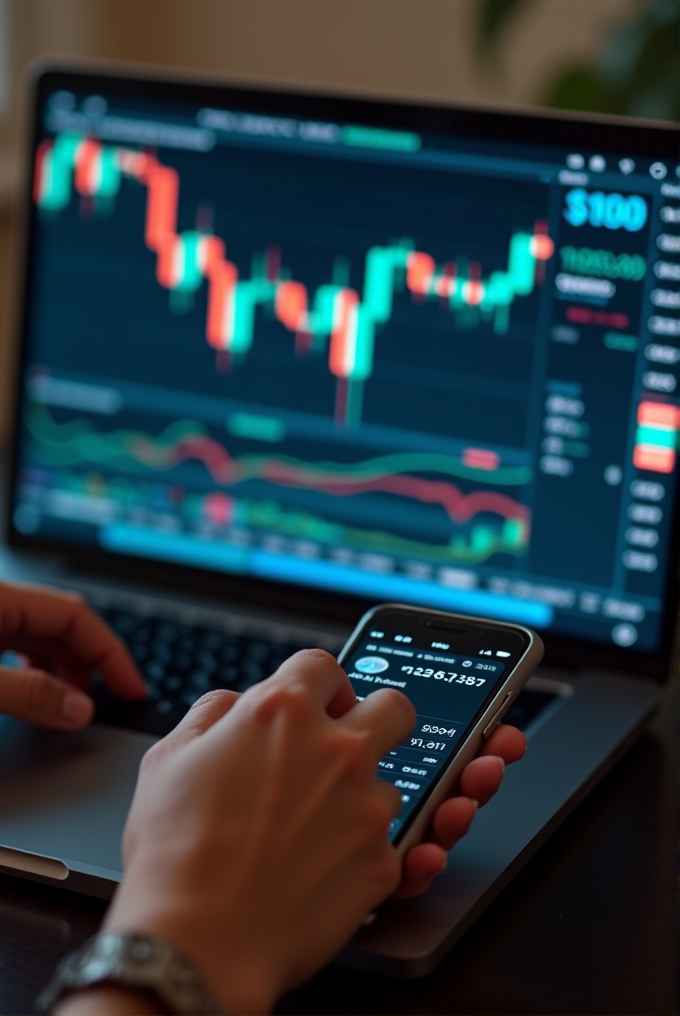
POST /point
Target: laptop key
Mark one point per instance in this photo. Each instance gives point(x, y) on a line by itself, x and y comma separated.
point(154, 671)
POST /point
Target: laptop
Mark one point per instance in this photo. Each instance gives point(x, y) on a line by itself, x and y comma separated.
point(285, 355)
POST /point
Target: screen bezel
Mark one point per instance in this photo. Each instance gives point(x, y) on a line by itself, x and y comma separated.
point(655, 140)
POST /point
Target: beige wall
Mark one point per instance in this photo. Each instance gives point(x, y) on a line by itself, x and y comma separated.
point(421, 47)
point(399, 47)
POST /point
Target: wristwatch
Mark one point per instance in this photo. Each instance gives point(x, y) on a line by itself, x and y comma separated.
point(144, 962)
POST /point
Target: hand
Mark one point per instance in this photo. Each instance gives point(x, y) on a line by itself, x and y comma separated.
point(257, 838)
point(64, 642)
point(479, 781)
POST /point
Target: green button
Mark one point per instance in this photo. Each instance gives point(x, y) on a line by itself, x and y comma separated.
point(375, 137)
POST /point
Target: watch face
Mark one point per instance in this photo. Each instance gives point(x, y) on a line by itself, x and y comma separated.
point(132, 960)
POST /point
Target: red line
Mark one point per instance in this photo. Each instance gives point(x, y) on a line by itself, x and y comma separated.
point(341, 393)
point(43, 148)
point(222, 277)
point(161, 206)
point(225, 470)
point(87, 156)
point(339, 336)
point(420, 269)
point(165, 263)
point(460, 507)
point(303, 342)
point(273, 263)
point(290, 304)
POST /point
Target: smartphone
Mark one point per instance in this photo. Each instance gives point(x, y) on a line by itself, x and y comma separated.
point(461, 674)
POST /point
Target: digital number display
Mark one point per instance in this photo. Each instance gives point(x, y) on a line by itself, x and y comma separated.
point(445, 675)
point(612, 211)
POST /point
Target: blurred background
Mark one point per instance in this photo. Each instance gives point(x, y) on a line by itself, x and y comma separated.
point(613, 56)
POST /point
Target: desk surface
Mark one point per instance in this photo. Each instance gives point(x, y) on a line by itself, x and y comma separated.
point(588, 926)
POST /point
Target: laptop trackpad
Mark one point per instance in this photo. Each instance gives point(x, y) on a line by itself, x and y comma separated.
point(66, 795)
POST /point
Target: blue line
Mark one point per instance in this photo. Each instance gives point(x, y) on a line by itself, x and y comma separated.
point(320, 574)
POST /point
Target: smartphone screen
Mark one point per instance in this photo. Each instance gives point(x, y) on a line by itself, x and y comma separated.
point(449, 675)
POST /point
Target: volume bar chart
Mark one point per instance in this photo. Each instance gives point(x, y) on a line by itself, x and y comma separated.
point(334, 320)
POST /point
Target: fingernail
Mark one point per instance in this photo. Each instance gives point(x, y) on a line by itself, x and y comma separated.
point(445, 861)
point(475, 804)
point(502, 762)
point(76, 708)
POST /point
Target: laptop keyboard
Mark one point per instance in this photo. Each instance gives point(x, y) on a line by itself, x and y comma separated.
point(180, 662)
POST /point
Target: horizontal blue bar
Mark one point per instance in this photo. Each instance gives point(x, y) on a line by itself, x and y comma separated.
point(173, 547)
point(397, 588)
point(321, 574)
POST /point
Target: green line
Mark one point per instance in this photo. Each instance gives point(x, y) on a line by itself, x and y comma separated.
point(75, 441)
point(482, 542)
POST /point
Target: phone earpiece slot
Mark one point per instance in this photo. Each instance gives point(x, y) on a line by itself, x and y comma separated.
point(457, 629)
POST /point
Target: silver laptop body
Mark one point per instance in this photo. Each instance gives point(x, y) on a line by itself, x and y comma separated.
point(367, 352)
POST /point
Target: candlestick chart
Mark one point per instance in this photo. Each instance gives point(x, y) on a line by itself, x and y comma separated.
point(335, 320)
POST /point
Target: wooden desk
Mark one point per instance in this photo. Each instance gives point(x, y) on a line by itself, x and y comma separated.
point(588, 926)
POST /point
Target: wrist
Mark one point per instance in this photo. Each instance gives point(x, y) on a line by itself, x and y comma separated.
point(131, 971)
point(236, 978)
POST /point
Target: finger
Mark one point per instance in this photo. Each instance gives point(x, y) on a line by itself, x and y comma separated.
point(421, 865)
point(322, 677)
point(31, 612)
point(203, 715)
point(507, 742)
point(55, 659)
point(40, 698)
point(387, 715)
point(482, 777)
point(452, 820)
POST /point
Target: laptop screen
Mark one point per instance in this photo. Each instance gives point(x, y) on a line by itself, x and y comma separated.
point(403, 364)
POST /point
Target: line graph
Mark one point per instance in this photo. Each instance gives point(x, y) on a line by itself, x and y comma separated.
point(70, 443)
point(220, 512)
point(336, 320)
point(481, 543)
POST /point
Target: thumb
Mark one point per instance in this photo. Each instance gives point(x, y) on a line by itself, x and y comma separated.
point(40, 698)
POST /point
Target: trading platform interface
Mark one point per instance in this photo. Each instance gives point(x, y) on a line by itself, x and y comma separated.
point(398, 365)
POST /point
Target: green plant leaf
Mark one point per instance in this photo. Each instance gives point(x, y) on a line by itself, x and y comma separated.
point(637, 72)
point(658, 63)
point(581, 88)
point(494, 16)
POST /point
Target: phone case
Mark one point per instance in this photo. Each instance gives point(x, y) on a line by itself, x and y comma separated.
point(487, 722)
